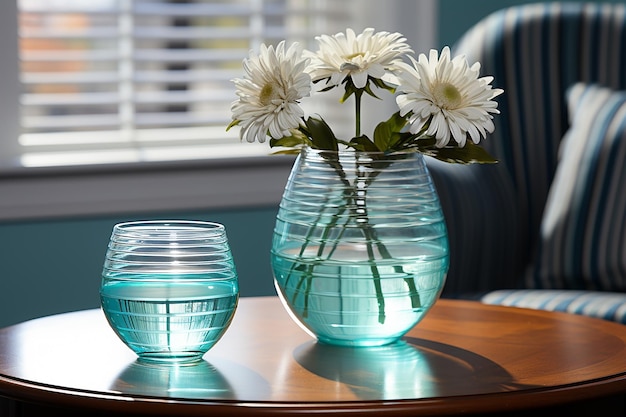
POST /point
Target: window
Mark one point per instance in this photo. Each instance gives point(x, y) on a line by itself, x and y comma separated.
point(110, 106)
point(128, 81)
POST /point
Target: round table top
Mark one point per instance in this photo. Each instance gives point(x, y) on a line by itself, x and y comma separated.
point(462, 356)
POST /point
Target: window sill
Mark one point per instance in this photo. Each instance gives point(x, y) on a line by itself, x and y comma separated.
point(152, 187)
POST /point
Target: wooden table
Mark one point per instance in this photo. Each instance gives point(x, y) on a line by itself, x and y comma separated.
point(465, 357)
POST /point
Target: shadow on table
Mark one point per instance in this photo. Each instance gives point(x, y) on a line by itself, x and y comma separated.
point(196, 380)
point(411, 368)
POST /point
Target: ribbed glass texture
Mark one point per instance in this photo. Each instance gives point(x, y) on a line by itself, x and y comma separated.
point(360, 247)
point(169, 288)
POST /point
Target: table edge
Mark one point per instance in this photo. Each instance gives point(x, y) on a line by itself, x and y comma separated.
point(503, 401)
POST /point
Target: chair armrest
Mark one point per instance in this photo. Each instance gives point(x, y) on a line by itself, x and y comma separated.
point(486, 252)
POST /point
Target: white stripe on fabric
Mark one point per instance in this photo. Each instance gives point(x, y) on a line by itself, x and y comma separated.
point(604, 214)
point(603, 305)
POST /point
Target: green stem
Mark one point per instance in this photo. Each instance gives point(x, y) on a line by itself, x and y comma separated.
point(357, 112)
point(308, 277)
point(380, 298)
point(416, 302)
point(372, 236)
point(363, 215)
point(307, 239)
point(351, 193)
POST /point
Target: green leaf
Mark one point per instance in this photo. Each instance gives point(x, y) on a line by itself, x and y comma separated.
point(382, 85)
point(292, 151)
point(368, 90)
point(403, 141)
point(469, 154)
point(350, 89)
point(289, 141)
point(322, 136)
point(388, 133)
point(364, 144)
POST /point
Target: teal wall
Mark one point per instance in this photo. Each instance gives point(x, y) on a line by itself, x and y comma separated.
point(53, 266)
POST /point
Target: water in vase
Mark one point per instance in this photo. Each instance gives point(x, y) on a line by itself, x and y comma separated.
point(155, 317)
point(351, 300)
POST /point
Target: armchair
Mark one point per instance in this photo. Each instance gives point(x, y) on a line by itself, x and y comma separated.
point(546, 226)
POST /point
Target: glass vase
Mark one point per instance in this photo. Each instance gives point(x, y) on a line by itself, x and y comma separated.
point(360, 246)
point(169, 289)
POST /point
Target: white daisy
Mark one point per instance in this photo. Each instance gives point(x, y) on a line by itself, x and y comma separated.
point(274, 82)
point(449, 94)
point(360, 56)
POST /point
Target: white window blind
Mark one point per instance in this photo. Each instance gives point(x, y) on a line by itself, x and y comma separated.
point(123, 81)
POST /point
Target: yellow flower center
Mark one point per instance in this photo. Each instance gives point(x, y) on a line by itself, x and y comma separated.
point(350, 65)
point(447, 96)
point(354, 55)
point(269, 92)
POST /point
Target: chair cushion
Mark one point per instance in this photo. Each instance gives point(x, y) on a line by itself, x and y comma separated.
point(535, 52)
point(602, 305)
point(583, 231)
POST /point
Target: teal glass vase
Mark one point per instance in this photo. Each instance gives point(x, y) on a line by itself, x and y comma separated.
point(169, 288)
point(360, 246)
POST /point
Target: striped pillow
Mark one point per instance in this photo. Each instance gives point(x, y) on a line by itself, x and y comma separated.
point(583, 230)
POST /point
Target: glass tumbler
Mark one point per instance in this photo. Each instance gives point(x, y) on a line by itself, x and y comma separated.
point(169, 288)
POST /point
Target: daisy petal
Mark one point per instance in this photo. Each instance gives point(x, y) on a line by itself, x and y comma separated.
point(275, 80)
point(450, 93)
point(368, 54)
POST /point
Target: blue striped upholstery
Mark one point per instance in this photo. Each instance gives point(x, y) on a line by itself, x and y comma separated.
point(602, 305)
point(535, 53)
point(583, 235)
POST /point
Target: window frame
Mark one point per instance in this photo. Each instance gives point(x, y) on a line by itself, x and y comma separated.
point(166, 186)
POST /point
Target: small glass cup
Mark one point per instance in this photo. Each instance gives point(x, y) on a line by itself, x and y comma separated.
point(169, 288)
